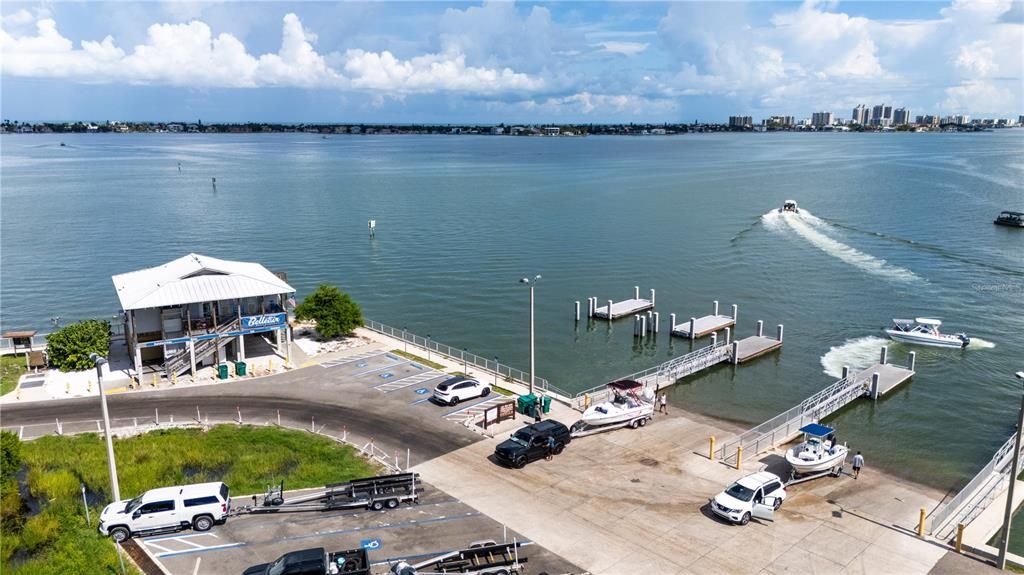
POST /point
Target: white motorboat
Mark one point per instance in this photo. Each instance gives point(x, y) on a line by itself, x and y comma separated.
point(789, 206)
point(925, 331)
point(629, 400)
point(818, 452)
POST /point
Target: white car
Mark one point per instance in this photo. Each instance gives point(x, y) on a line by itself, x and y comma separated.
point(757, 495)
point(199, 506)
point(455, 389)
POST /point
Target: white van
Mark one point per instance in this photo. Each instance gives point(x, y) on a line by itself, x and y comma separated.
point(199, 506)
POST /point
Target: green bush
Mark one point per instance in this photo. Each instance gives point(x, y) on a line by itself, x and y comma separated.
point(10, 454)
point(333, 310)
point(69, 347)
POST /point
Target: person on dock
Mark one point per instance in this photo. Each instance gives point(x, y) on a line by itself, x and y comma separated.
point(551, 447)
point(858, 462)
point(663, 403)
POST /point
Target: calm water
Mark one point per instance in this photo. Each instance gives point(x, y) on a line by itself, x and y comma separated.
point(901, 227)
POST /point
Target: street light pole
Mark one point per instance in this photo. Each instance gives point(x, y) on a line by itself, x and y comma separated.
point(1004, 542)
point(114, 488)
point(532, 364)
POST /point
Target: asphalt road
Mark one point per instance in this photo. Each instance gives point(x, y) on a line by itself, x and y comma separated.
point(335, 397)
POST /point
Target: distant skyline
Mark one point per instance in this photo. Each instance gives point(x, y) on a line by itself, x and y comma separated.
point(573, 62)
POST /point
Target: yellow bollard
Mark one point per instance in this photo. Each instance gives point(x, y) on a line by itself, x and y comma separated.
point(920, 524)
point(88, 387)
point(270, 367)
point(174, 379)
point(586, 400)
point(17, 394)
point(711, 449)
point(739, 457)
point(959, 537)
point(155, 380)
point(67, 387)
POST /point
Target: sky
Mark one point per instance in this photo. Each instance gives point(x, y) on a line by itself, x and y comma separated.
point(505, 62)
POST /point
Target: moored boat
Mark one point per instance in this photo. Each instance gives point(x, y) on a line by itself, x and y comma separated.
point(818, 452)
point(925, 331)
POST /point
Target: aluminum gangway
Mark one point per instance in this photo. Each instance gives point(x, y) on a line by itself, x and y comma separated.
point(662, 375)
point(872, 382)
point(977, 495)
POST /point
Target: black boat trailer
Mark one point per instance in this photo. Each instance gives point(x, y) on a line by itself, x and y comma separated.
point(482, 558)
point(374, 493)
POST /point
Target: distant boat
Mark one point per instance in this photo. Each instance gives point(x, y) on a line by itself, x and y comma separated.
point(1011, 219)
point(789, 206)
point(62, 144)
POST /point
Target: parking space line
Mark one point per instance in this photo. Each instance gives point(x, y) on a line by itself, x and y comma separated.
point(352, 358)
point(201, 550)
point(166, 537)
point(389, 366)
point(155, 546)
point(404, 382)
point(421, 401)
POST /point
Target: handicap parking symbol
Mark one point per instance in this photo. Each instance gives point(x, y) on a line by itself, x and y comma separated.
point(387, 375)
point(421, 391)
point(361, 364)
point(370, 544)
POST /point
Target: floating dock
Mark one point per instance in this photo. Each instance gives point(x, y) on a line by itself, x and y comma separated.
point(702, 326)
point(872, 383)
point(755, 346)
point(617, 309)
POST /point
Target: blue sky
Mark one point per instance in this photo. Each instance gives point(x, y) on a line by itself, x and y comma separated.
point(444, 62)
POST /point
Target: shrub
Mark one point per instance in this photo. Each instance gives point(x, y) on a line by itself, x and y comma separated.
point(10, 455)
point(333, 310)
point(69, 347)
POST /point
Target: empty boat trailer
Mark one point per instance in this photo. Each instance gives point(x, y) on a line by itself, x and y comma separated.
point(375, 493)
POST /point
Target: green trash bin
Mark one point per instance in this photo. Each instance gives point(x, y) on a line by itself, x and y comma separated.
point(222, 371)
point(526, 404)
point(546, 403)
point(239, 368)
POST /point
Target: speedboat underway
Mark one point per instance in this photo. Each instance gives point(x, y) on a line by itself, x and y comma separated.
point(629, 401)
point(818, 452)
point(789, 206)
point(925, 331)
point(1012, 219)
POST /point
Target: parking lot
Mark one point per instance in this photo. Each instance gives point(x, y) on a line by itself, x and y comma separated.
point(439, 523)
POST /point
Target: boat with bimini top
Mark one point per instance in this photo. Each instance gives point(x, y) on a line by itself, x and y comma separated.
point(925, 331)
point(789, 206)
point(818, 452)
point(629, 400)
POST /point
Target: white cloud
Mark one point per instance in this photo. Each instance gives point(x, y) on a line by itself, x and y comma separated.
point(190, 55)
point(976, 60)
point(624, 48)
point(980, 96)
point(19, 18)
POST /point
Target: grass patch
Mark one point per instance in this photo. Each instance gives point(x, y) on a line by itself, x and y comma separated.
point(419, 359)
point(11, 369)
point(503, 391)
point(57, 539)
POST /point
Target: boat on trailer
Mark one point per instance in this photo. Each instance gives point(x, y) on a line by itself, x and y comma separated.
point(819, 452)
point(789, 206)
point(925, 331)
point(629, 401)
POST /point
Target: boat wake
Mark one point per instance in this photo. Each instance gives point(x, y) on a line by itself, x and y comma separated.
point(857, 353)
point(978, 343)
point(808, 226)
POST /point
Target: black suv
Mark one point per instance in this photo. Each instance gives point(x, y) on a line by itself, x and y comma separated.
point(531, 443)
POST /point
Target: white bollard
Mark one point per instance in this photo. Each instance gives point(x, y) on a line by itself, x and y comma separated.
point(650, 321)
point(656, 322)
point(577, 310)
point(913, 360)
point(715, 307)
point(693, 324)
point(636, 325)
point(874, 385)
point(846, 371)
point(760, 328)
point(636, 292)
point(728, 336)
point(778, 333)
point(735, 312)
point(883, 357)
point(643, 325)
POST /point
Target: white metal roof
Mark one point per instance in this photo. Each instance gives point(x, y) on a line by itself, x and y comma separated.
point(195, 278)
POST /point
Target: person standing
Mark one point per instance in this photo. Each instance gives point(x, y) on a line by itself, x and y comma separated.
point(663, 403)
point(551, 447)
point(858, 462)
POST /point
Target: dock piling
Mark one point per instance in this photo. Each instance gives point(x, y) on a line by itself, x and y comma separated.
point(735, 353)
point(636, 292)
point(778, 332)
point(714, 339)
point(577, 310)
point(884, 356)
point(636, 326)
point(874, 385)
point(671, 322)
point(643, 325)
point(591, 306)
point(693, 331)
point(609, 311)
point(913, 360)
point(735, 312)
point(656, 322)
point(760, 328)
point(728, 335)
point(652, 296)
point(714, 307)
point(846, 371)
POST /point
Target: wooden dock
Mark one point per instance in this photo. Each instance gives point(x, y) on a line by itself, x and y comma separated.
point(889, 377)
point(754, 346)
point(616, 309)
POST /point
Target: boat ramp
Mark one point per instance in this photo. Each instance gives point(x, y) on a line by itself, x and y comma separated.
point(702, 326)
point(872, 382)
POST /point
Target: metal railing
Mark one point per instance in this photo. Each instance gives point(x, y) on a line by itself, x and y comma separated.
point(782, 427)
point(666, 373)
point(503, 371)
point(981, 490)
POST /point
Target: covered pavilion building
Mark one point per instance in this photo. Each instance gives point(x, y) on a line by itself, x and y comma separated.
point(197, 311)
